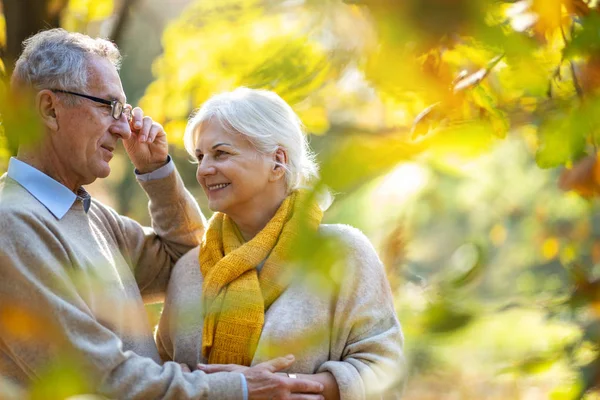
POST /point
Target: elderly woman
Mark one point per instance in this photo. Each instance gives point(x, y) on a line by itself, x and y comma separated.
point(232, 301)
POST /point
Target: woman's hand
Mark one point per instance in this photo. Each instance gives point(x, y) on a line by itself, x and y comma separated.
point(265, 382)
point(330, 392)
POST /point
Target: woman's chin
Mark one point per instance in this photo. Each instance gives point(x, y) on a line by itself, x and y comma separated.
point(216, 206)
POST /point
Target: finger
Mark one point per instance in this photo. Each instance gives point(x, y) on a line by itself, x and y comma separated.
point(184, 367)
point(145, 131)
point(155, 131)
point(128, 112)
point(306, 397)
point(277, 364)
point(303, 386)
point(136, 118)
point(212, 368)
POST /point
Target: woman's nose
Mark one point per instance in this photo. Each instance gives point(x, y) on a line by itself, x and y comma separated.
point(205, 167)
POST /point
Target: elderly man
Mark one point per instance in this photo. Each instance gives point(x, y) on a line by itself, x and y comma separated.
point(73, 271)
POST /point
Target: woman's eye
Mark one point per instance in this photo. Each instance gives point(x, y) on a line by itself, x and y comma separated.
point(220, 153)
point(199, 157)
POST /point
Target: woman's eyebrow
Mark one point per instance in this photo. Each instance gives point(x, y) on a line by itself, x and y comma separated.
point(221, 144)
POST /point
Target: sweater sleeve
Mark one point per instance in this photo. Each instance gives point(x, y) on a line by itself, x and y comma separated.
point(55, 325)
point(182, 313)
point(367, 358)
point(177, 227)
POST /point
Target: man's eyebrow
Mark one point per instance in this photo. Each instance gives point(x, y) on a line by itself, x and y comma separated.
point(118, 98)
point(221, 144)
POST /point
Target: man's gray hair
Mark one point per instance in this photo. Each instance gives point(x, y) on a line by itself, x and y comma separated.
point(267, 121)
point(57, 59)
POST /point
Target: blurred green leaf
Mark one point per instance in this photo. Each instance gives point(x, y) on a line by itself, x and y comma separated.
point(64, 378)
point(460, 141)
point(532, 365)
point(354, 159)
point(427, 120)
point(443, 317)
point(566, 392)
point(498, 119)
point(591, 331)
point(562, 140)
point(20, 122)
point(590, 375)
point(587, 37)
point(467, 265)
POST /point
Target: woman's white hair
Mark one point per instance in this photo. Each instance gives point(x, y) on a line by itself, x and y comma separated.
point(267, 121)
point(57, 59)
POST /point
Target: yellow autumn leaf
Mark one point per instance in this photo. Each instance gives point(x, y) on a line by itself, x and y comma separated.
point(315, 119)
point(175, 130)
point(550, 248)
point(2, 31)
point(22, 323)
point(92, 9)
point(498, 234)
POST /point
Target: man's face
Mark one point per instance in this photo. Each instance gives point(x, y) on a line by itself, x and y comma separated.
point(87, 133)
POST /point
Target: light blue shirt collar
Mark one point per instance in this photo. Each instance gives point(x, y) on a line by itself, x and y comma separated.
point(56, 197)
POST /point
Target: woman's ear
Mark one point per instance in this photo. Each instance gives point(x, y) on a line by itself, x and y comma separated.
point(279, 164)
point(45, 103)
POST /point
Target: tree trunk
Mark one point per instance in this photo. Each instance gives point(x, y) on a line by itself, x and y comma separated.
point(23, 19)
point(122, 18)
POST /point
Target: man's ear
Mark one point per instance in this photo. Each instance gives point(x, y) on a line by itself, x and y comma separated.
point(45, 103)
point(279, 163)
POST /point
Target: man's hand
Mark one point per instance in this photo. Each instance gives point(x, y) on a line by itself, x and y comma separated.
point(184, 367)
point(147, 147)
point(264, 383)
point(212, 368)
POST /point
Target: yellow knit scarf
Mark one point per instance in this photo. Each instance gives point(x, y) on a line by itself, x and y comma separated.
point(235, 296)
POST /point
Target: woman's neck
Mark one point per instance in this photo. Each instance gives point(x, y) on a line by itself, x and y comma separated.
point(253, 221)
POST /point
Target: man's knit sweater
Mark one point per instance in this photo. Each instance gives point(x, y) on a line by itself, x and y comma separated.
point(74, 284)
point(342, 321)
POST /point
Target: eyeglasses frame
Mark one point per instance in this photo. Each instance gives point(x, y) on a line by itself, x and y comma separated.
point(112, 103)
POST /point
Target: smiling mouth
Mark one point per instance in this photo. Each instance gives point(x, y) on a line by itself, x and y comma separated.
point(111, 149)
point(217, 186)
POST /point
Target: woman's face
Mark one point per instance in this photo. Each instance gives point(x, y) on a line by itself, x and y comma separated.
point(235, 177)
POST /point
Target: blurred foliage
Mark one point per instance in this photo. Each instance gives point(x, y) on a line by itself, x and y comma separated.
point(441, 125)
point(80, 13)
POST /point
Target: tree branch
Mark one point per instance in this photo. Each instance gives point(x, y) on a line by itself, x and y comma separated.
point(117, 33)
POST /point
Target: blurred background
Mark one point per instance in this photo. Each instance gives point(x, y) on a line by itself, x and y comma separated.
point(459, 135)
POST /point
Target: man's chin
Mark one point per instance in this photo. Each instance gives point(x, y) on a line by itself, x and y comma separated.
point(102, 172)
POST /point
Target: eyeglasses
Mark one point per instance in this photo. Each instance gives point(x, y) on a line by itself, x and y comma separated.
point(117, 108)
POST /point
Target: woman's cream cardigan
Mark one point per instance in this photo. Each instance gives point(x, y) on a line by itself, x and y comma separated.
point(346, 325)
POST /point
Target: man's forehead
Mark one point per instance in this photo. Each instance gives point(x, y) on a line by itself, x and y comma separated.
point(104, 79)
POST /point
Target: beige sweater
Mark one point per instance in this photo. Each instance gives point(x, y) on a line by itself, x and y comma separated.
point(352, 332)
point(76, 281)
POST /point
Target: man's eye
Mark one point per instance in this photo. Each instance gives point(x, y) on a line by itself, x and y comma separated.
point(220, 153)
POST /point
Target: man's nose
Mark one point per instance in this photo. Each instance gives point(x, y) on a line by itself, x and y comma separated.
point(121, 127)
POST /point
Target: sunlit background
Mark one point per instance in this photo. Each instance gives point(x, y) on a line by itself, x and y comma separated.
point(459, 135)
